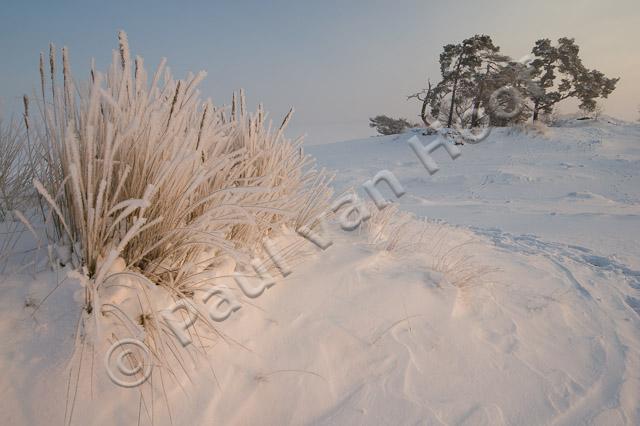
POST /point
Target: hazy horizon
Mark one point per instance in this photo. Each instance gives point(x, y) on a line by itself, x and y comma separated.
point(337, 64)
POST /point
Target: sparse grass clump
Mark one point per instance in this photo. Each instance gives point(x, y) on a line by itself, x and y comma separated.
point(15, 173)
point(16, 190)
point(445, 251)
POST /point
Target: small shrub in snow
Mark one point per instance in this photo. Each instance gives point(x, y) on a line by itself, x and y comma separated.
point(390, 126)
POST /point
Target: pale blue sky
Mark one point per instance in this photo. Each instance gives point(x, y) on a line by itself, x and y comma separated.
point(337, 62)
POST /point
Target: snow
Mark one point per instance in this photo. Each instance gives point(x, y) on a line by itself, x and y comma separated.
point(516, 302)
point(580, 177)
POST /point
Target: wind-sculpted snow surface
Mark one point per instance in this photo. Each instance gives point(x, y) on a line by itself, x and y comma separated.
point(522, 309)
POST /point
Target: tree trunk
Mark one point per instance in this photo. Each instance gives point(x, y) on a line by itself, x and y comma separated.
point(476, 103)
point(423, 112)
point(536, 110)
point(425, 103)
point(474, 114)
point(453, 91)
point(453, 101)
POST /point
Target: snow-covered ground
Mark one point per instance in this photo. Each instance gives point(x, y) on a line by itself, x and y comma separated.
point(579, 185)
point(517, 302)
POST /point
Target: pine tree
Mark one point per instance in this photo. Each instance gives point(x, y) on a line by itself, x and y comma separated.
point(474, 72)
point(563, 63)
point(461, 65)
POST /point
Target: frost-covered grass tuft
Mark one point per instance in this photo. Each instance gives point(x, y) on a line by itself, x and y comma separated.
point(149, 187)
point(148, 172)
point(444, 250)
